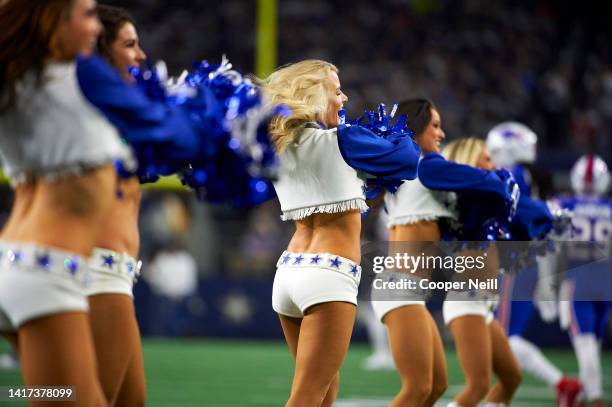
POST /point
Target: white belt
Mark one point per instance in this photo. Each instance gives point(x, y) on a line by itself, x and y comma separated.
point(320, 260)
point(109, 261)
point(30, 257)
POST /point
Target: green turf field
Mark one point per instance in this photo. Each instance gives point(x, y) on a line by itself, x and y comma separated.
point(241, 373)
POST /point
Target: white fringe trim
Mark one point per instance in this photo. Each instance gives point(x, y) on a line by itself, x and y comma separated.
point(337, 207)
point(412, 219)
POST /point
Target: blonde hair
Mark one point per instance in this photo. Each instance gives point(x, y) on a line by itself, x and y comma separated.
point(464, 151)
point(301, 87)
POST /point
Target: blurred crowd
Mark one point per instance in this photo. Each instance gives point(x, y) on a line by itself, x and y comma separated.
point(545, 63)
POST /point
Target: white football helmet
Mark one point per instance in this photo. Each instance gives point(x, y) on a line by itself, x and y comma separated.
point(590, 176)
point(510, 143)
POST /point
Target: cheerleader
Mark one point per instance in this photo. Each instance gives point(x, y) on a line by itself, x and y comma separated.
point(66, 181)
point(113, 265)
point(58, 152)
point(315, 287)
point(482, 346)
point(419, 213)
point(413, 214)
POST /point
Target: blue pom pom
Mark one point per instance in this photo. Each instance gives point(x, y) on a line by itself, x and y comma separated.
point(237, 159)
point(383, 125)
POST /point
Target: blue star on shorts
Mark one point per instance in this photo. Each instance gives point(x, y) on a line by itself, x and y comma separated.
point(354, 269)
point(335, 263)
point(44, 261)
point(108, 261)
point(298, 259)
point(315, 260)
point(72, 265)
point(286, 259)
point(14, 256)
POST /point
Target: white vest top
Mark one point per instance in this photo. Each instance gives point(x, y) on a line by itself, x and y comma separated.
point(314, 178)
point(413, 203)
point(52, 130)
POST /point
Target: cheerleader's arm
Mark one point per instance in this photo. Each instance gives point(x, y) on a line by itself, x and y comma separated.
point(139, 119)
point(392, 159)
point(436, 172)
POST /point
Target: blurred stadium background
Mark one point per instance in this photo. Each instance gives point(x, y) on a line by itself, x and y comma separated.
point(203, 302)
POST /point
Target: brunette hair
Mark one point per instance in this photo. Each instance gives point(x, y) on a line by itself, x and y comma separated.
point(418, 114)
point(112, 18)
point(28, 37)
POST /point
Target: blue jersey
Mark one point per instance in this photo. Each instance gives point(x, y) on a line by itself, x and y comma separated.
point(592, 221)
point(586, 292)
point(588, 253)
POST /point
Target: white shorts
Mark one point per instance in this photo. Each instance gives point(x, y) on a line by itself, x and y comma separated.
point(382, 308)
point(385, 300)
point(458, 305)
point(306, 279)
point(111, 273)
point(37, 281)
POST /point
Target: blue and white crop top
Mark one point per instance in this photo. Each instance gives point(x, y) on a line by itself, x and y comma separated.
point(313, 177)
point(324, 171)
point(413, 203)
point(53, 131)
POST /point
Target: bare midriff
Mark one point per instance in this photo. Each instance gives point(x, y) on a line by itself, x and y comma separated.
point(66, 213)
point(119, 232)
point(415, 239)
point(337, 233)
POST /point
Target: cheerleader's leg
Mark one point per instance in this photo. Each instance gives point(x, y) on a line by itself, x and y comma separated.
point(133, 389)
point(412, 347)
point(322, 343)
point(505, 366)
point(291, 330)
point(440, 378)
point(57, 350)
point(474, 350)
point(117, 344)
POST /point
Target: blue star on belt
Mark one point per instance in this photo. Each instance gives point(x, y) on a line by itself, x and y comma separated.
point(286, 258)
point(14, 256)
point(335, 262)
point(130, 267)
point(43, 260)
point(354, 269)
point(298, 259)
point(315, 260)
point(108, 261)
point(71, 264)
